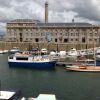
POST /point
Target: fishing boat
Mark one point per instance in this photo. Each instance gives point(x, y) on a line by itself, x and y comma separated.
point(30, 61)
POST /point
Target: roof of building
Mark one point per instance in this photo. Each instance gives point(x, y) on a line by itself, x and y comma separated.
point(66, 24)
point(40, 24)
point(25, 21)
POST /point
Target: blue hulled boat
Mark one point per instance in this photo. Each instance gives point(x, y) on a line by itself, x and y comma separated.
point(30, 61)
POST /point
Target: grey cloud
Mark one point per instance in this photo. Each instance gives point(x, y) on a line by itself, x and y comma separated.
point(87, 9)
point(5, 3)
point(59, 10)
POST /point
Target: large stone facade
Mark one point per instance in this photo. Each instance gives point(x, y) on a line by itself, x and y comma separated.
point(23, 32)
point(27, 30)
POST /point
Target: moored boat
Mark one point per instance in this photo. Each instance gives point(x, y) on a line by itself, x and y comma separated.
point(83, 68)
point(14, 50)
point(62, 54)
point(1, 52)
point(30, 61)
point(72, 53)
point(5, 51)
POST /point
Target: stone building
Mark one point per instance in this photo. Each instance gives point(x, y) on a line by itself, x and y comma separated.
point(34, 31)
point(27, 30)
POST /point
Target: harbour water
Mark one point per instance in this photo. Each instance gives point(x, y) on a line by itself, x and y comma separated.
point(65, 85)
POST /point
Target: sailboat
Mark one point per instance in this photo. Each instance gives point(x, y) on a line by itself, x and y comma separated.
point(84, 67)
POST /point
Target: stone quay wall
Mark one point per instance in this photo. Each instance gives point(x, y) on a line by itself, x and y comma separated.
point(49, 46)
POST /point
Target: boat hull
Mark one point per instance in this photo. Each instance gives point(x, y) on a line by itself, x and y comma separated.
point(33, 64)
point(83, 68)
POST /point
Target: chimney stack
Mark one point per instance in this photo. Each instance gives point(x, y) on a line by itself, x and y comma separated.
point(46, 12)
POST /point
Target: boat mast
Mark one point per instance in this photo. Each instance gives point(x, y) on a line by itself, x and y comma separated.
point(93, 47)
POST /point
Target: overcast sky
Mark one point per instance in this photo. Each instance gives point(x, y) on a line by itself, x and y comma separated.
point(59, 11)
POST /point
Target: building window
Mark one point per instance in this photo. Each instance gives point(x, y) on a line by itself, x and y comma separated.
point(65, 40)
point(36, 40)
point(76, 39)
point(55, 40)
point(90, 39)
point(71, 39)
point(20, 37)
point(96, 34)
point(31, 39)
point(83, 40)
point(41, 39)
point(77, 34)
point(96, 40)
point(71, 34)
point(37, 34)
point(55, 34)
point(43, 34)
point(66, 34)
point(91, 34)
point(31, 34)
point(83, 34)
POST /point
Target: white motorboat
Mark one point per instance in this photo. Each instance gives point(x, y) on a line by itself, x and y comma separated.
point(14, 50)
point(72, 53)
point(62, 54)
point(54, 55)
